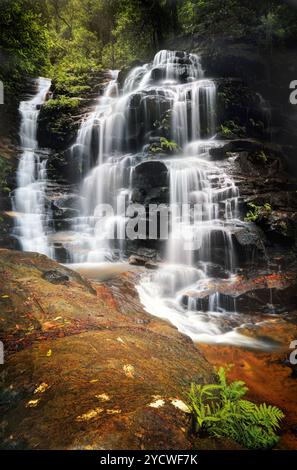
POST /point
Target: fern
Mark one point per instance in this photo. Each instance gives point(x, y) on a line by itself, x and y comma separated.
point(220, 410)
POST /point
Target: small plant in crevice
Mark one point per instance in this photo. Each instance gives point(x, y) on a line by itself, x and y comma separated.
point(219, 410)
point(256, 211)
point(164, 146)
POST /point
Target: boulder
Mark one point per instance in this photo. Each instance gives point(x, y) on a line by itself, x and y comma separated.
point(85, 371)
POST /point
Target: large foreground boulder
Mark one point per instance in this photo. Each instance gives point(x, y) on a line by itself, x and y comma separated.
point(85, 366)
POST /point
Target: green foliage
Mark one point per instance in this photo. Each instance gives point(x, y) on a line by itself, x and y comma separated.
point(61, 104)
point(261, 157)
point(232, 128)
point(226, 131)
point(220, 410)
point(5, 170)
point(23, 43)
point(257, 211)
point(165, 146)
point(55, 37)
point(268, 21)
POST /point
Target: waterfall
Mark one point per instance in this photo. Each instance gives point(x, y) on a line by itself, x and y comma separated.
point(169, 99)
point(29, 197)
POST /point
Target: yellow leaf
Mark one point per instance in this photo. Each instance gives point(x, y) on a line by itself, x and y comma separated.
point(113, 412)
point(49, 353)
point(103, 397)
point(90, 414)
point(93, 381)
point(129, 370)
point(41, 388)
point(5, 296)
point(32, 403)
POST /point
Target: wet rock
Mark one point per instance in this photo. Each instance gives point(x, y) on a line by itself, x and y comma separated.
point(249, 236)
point(55, 277)
point(86, 377)
point(137, 260)
point(142, 261)
point(126, 70)
point(150, 174)
point(151, 265)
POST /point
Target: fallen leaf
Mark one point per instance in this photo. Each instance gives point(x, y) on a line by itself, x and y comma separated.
point(129, 370)
point(103, 397)
point(157, 404)
point(32, 403)
point(113, 412)
point(49, 353)
point(180, 405)
point(90, 414)
point(41, 388)
point(93, 381)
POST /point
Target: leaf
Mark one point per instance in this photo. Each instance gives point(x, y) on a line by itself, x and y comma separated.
point(49, 353)
point(41, 388)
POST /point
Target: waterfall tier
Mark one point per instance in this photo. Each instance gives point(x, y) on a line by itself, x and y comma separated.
point(29, 197)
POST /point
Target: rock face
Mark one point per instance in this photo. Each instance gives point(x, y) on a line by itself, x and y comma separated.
point(86, 367)
point(150, 183)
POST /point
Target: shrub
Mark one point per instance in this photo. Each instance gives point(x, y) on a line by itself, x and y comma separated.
point(220, 411)
point(62, 103)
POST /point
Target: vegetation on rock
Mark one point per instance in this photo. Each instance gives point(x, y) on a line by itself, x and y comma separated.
point(164, 146)
point(221, 411)
point(256, 211)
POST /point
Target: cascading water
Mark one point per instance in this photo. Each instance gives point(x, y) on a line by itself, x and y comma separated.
point(193, 286)
point(28, 198)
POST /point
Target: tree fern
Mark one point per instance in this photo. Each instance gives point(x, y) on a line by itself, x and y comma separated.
point(219, 410)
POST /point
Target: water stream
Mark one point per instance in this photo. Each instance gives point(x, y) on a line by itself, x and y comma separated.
point(29, 198)
point(200, 258)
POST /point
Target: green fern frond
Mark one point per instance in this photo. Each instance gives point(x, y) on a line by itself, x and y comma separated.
point(220, 410)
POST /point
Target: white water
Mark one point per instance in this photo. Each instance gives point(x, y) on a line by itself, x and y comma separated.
point(107, 135)
point(28, 198)
point(200, 260)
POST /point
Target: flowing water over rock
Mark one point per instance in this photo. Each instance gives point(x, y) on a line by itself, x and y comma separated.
point(150, 142)
point(28, 198)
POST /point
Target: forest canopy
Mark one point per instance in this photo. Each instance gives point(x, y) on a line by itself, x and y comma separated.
point(51, 36)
